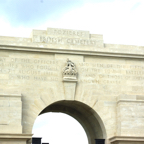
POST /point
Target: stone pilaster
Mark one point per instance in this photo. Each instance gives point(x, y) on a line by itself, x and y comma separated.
point(10, 113)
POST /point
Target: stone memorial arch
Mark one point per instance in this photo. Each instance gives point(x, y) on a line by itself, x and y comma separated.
point(74, 72)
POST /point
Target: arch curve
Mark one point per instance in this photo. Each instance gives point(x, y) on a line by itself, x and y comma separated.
point(84, 114)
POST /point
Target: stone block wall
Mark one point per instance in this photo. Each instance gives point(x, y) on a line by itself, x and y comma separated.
point(10, 113)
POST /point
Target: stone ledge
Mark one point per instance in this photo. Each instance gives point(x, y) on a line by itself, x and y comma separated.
point(135, 101)
point(15, 136)
point(70, 80)
point(126, 139)
point(10, 95)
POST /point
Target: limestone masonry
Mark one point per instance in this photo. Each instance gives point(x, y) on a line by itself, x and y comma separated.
point(74, 72)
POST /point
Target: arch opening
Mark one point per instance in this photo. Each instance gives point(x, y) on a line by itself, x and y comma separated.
point(61, 128)
point(85, 115)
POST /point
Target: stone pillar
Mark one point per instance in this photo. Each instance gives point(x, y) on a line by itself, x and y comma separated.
point(130, 113)
point(10, 113)
point(130, 122)
point(11, 120)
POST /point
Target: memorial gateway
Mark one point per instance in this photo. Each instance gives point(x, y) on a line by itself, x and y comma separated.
point(71, 71)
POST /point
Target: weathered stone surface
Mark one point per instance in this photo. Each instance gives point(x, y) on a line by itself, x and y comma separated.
point(105, 95)
point(10, 114)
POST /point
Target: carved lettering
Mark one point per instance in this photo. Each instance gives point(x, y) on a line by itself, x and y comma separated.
point(46, 67)
point(29, 69)
point(23, 77)
point(66, 32)
point(135, 72)
point(29, 72)
point(89, 81)
point(40, 78)
point(67, 41)
point(35, 69)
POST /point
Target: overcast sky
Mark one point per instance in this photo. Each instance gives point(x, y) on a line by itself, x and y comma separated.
point(59, 128)
point(120, 22)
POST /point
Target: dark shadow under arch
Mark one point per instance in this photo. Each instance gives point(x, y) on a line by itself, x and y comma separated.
point(85, 115)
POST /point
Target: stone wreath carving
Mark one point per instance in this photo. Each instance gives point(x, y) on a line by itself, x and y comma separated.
point(70, 72)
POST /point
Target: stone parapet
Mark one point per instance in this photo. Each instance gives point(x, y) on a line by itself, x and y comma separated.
point(73, 40)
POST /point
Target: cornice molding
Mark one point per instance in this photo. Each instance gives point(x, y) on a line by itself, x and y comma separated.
point(71, 51)
point(126, 139)
point(135, 101)
point(15, 136)
point(10, 95)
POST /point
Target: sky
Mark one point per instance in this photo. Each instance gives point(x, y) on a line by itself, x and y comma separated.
point(59, 128)
point(119, 21)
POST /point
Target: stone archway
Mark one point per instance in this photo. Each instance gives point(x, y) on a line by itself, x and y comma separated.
point(101, 85)
point(85, 115)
